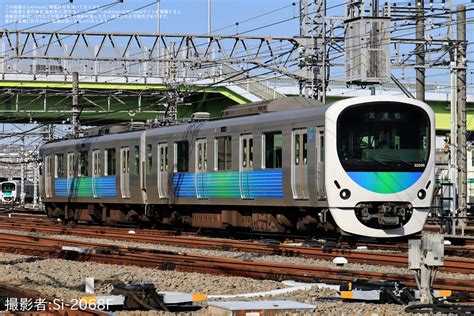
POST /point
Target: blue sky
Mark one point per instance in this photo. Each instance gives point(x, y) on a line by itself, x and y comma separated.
point(177, 16)
point(264, 17)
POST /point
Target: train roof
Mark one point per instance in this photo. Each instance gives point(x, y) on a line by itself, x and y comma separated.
point(281, 115)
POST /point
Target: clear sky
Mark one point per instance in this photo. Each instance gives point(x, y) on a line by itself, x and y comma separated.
point(177, 16)
point(249, 17)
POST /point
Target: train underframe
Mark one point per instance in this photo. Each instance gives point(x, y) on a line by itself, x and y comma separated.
point(268, 220)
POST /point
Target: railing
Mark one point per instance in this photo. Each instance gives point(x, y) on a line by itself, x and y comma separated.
point(255, 87)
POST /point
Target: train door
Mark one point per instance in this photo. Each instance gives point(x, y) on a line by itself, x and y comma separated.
point(163, 170)
point(321, 190)
point(299, 162)
point(95, 172)
point(246, 164)
point(47, 175)
point(201, 167)
point(125, 172)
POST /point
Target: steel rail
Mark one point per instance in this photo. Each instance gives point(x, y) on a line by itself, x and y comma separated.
point(165, 260)
point(460, 265)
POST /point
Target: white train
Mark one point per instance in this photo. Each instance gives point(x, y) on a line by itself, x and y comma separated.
point(364, 165)
point(10, 192)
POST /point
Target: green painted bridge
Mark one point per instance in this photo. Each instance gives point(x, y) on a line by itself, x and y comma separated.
point(106, 103)
point(103, 103)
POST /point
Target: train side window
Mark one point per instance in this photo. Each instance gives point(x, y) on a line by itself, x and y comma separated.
point(244, 153)
point(272, 150)
point(250, 152)
point(83, 164)
point(163, 157)
point(223, 153)
point(247, 152)
point(149, 159)
point(305, 149)
point(96, 163)
point(181, 156)
point(321, 144)
point(109, 162)
point(71, 170)
point(297, 149)
point(59, 171)
point(137, 160)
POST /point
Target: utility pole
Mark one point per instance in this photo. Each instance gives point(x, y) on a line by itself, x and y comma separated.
point(461, 113)
point(313, 57)
point(75, 103)
point(22, 172)
point(420, 51)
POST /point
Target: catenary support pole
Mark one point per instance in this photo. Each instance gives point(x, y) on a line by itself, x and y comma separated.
point(420, 51)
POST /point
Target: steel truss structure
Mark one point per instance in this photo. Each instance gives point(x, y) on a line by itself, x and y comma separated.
point(168, 56)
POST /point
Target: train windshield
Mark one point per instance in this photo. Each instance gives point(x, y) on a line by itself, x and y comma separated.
point(383, 137)
point(8, 187)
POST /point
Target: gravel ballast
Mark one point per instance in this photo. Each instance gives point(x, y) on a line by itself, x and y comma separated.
point(65, 279)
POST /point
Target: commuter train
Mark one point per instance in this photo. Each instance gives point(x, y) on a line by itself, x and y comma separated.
point(10, 192)
point(361, 166)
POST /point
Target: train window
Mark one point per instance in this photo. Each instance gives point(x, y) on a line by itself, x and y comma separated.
point(297, 149)
point(247, 151)
point(305, 148)
point(321, 144)
point(109, 162)
point(251, 152)
point(71, 170)
point(96, 163)
point(83, 164)
point(125, 160)
point(223, 153)
point(272, 150)
point(149, 159)
point(244, 152)
point(163, 153)
point(137, 160)
point(181, 156)
point(59, 171)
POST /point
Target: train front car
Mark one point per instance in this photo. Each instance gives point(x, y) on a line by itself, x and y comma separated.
point(8, 192)
point(381, 180)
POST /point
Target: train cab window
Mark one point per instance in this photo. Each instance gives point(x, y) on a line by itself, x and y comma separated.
point(109, 162)
point(96, 163)
point(71, 169)
point(136, 163)
point(83, 164)
point(59, 171)
point(149, 159)
point(223, 153)
point(384, 136)
point(181, 156)
point(272, 150)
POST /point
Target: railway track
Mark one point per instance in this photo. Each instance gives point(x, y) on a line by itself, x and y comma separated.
point(459, 265)
point(85, 251)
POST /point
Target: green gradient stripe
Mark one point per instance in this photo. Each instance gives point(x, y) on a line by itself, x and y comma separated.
point(385, 182)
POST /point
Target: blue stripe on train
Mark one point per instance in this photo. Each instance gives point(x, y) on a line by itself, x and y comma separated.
point(258, 184)
point(105, 187)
